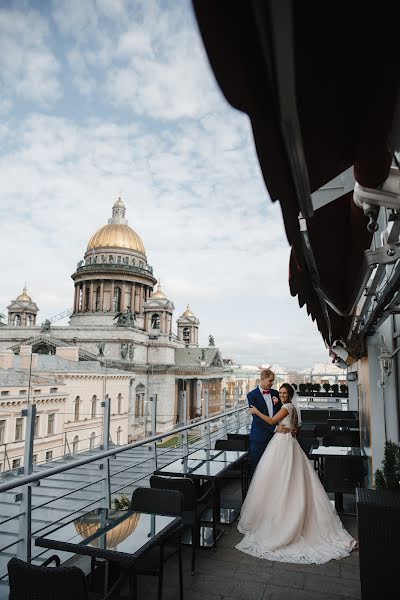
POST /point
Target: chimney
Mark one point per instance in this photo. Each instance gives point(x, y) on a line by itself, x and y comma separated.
point(6, 359)
point(25, 357)
point(68, 353)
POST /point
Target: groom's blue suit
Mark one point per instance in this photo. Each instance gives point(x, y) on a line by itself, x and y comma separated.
point(261, 432)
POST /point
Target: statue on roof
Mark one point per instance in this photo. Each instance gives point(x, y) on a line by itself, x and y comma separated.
point(211, 341)
point(45, 326)
point(101, 345)
point(126, 318)
point(1, 320)
point(124, 350)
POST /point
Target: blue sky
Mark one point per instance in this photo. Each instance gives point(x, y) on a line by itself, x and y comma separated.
point(108, 97)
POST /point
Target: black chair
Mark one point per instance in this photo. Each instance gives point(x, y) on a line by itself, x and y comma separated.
point(31, 582)
point(240, 436)
point(162, 502)
point(306, 443)
point(193, 506)
point(241, 470)
point(342, 438)
point(342, 475)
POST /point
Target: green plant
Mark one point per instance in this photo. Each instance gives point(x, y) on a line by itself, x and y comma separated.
point(389, 477)
point(316, 387)
point(302, 388)
point(122, 503)
point(335, 388)
point(327, 387)
point(344, 389)
point(294, 386)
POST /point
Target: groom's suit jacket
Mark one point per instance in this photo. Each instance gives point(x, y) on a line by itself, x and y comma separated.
point(260, 430)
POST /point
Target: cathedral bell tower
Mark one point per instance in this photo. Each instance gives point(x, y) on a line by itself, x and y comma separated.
point(158, 314)
point(188, 328)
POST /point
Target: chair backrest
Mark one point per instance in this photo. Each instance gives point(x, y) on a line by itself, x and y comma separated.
point(343, 474)
point(342, 438)
point(314, 415)
point(231, 445)
point(31, 582)
point(240, 436)
point(184, 485)
point(157, 501)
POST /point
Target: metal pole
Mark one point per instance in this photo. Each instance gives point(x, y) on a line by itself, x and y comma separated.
point(25, 497)
point(153, 406)
point(183, 403)
point(105, 464)
point(207, 425)
point(224, 424)
point(237, 406)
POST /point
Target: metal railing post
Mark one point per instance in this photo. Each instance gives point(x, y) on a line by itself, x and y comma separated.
point(183, 403)
point(153, 407)
point(105, 464)
point(237, 406)
point(24, 548)
point(207, 425)
point(224, 424)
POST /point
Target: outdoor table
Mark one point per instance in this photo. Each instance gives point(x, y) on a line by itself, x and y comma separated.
point(344, 428)
point(318, 454)
point(119, 536)
point(203, 469)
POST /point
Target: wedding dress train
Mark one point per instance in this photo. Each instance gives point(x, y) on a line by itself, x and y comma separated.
point(287, 515)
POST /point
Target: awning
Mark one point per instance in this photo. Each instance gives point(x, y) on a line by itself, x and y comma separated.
point(319, 82)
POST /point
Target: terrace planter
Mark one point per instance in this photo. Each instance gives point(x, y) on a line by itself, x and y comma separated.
point(378, 513)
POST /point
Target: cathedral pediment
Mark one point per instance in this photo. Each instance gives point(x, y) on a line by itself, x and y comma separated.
point(45, 344)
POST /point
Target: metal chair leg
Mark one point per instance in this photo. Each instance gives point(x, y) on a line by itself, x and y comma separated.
point(180, 568)
point(161, 573)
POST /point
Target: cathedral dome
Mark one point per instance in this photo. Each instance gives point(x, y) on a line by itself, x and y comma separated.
point(117, 234)
point(24, 297)
point(159, 294)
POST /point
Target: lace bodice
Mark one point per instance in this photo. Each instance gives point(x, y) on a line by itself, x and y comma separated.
point(288, 421)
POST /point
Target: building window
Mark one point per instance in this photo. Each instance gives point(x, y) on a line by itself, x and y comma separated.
point(91, 440)
point(36, 431)
point(133, 261)
point(117, 299)
point(126, 260)
point(75, 445)
point(77, 408)
point(34, 459)
point(52, 390)
point(30, 320)
point(5, 393)
point(17, 321)
point(37, 391)
point(118, 259)
point(119, 431)
point(141, 264)
point(2, 431)
point(186, 334)
point(98, 298)
point(139, 405)
point(94, 407)
point(18, 429)
point(50, 424)
point(155, 321)
point(22, 392)
point(49, 455)
point(103, 258)
point(16, 463)
point(119, 405)
point(111, 258)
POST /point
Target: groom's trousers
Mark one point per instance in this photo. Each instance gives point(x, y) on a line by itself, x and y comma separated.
point(257, 449)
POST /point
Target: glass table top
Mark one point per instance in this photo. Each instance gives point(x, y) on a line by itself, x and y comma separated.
point(195, 467)
point(336, 451)
point(218, 455)
point(121, 531)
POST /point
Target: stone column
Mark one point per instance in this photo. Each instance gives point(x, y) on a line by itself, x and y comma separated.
point(162, 323)
point(112, 296)
point(133, 298)
point(91, 299)
point(76, 298)
point(101, 296)
point(123, 297)
point(140, 298)
point(192, 335)
point(137, 291)
point(83, 297)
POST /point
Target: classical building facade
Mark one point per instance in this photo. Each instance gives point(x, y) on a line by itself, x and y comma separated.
point(120, 320)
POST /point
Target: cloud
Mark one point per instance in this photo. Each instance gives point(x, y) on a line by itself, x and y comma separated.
point(28, 68)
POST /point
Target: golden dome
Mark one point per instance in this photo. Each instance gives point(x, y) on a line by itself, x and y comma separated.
point(119, 203)
point(159, 294)
point(116, 235)
point(188, 312)
point(24, 297)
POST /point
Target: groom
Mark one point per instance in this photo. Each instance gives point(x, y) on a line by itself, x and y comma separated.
point(267, 401)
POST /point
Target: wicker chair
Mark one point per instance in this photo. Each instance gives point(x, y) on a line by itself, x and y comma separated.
point(192, 505)
point(342, 475)
point(31, 582)
point(240, 471)
point(161, 502)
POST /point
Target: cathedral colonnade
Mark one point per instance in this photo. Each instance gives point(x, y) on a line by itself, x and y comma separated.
point(103, 295)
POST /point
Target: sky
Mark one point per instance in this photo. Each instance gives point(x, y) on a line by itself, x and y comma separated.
point(108, 97)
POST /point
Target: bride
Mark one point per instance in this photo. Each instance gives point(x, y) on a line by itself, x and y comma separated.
point(287, 515)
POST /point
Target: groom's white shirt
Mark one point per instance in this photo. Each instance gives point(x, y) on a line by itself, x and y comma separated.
point(268, 402)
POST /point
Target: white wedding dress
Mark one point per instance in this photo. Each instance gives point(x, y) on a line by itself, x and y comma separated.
point(287, 515)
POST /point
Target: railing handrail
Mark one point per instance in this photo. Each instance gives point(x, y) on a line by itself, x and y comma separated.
point(27, 479)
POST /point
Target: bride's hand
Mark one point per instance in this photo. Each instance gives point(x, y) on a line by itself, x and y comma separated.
point(253, 410)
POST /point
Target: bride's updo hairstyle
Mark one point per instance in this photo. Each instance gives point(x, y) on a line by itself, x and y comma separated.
point(289, 389)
